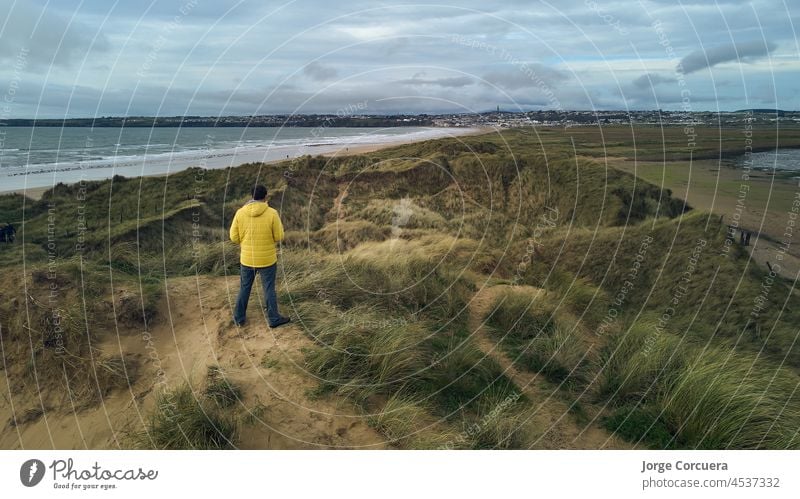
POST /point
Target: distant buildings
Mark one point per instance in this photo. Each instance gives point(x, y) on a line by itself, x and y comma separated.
point(497, 119)
point(575, 118)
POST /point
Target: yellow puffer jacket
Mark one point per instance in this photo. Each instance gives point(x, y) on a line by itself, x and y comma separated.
point(257, 227)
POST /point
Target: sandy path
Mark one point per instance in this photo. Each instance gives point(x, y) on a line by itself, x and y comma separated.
point(193, 331)
point(563, 432)
point(267, 364)
point(338, 212)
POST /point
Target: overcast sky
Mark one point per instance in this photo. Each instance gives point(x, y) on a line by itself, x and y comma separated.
point(201, 57)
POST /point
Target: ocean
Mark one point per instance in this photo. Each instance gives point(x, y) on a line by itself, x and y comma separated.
point(44, 156)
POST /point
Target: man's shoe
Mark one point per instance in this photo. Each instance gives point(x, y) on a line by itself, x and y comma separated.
point(281, 322)
point(238, 324)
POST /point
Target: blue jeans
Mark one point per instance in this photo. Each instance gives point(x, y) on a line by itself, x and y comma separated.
point(248, 275)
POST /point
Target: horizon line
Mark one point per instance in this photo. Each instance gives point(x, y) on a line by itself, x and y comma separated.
point(389, 115)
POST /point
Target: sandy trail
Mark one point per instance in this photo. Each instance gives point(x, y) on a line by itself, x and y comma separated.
point(338, 212)
point(563, 432)
point(266, 363)
point(279, 409)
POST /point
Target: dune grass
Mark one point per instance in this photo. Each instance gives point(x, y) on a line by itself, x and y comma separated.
point(390, 275)
point(721, 400)
point(638, 360)
point(340, 236)
point(539, 336)
point(50, 337)
point(220, 389)
point(704, 397)
point(183, 420)
point(408, 423)
point(399, 354)
point(721, 288)
point(400, 418)
point(361, 352)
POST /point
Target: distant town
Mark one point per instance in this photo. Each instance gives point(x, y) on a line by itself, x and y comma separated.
point(497, 118)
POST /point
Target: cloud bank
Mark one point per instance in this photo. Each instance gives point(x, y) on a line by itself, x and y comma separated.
point(707, 58)
point(94, 57)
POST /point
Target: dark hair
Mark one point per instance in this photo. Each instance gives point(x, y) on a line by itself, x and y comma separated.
point(259, 192)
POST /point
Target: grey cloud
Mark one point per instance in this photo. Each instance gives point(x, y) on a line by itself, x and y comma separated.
point(706, 58)
point(526, 76)
point(396, 46)
point(453, 82)
point(711, 3)
point(234, 66)
point(163, 10)
point(652, 79)
point(319, 72)
point(669, 97)
point(45, 38)
point(385, 97)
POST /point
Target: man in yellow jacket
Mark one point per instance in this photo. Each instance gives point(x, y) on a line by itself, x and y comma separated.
point(257, 228)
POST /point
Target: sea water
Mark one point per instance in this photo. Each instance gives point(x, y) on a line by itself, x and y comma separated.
point(33, 157)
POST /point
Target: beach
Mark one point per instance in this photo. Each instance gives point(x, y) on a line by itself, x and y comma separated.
point(34, 180)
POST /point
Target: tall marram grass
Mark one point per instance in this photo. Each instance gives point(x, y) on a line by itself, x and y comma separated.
point(726, 401)
point(182, 419)
point(704, 396)
point(217, 258)
point(50, 346)
point(407, 422)
point(523, 313)
point(394, 275)
point(344, 235)
point(569, 292)
point(390, 329)
point(636, 362)
point(362, 353)
point(505, 422)
point(401, 214)
point(534, 332)
point(400, 418)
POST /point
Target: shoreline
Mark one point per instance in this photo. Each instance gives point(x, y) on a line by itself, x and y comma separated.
point(35, 193)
